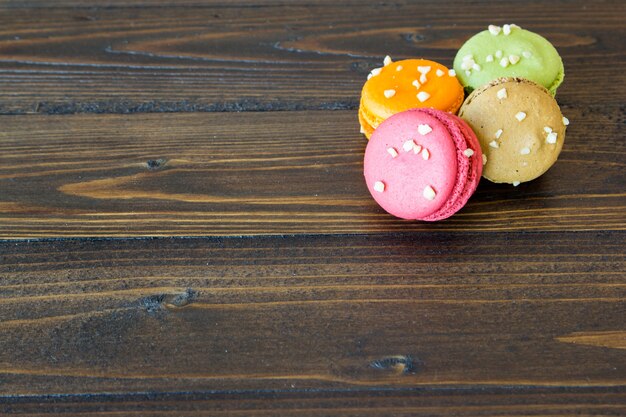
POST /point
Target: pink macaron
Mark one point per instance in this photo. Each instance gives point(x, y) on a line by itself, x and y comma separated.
point(423, 164)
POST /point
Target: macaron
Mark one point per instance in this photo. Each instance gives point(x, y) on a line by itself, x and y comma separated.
point(407, 84)
point(508, 51)
point(520, 128)
point(422, 164)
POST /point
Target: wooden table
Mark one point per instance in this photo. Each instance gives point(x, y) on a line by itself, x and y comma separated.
point(186, 230)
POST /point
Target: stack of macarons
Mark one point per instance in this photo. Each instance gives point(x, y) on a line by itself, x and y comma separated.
point(423, 161)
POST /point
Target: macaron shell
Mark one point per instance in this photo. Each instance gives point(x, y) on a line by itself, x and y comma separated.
point(543, 65)
point(469, 168)
point(486, 114)
point(407, 175)
point(445, 92)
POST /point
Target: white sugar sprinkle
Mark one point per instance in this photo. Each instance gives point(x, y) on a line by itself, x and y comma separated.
point(516, 183)
point(498, 54)
point(416, 84)
point(494, 144)
point(389, 93)
point(376, 71)
point(387, 60)
point(417, 149)
point(392, 152)
point(362, 130)
point(439, 72)
point(527, 54)
point(551, 138)
point(468, 73)
point(468, 152)
point(520, 116)
point(424, 129)
point(425, 154)
point(494, 30)
point(476, 67)
point(399, 68)
point(506, 29)
point(547, 129)
point(369, 75)
point(429, 193)
point(423, 78)
point(465, 65)
point(525, 151)
point(489, 58)
point(452, 73)
point(469, 56)
point(408, 145)
point(513, 59)
point(484, 159)
point(502, 93)
point(565, 121)
point(504, 62)
point(498, 133)
point(379, 186)
point(422, 96)
point(423, 70)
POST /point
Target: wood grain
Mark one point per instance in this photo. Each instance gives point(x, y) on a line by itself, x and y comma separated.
point(193, 174)
point(432, 402)
point(208, 56)
point(288, 292)
point(312, 313)
point(616, 339)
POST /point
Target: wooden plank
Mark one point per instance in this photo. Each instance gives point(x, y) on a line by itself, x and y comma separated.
point(312, 55)
point(484, 314)
point(452, 310)
point(276, 173)
point(430, 402)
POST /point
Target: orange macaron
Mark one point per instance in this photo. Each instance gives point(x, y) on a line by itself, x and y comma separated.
point(407, 84)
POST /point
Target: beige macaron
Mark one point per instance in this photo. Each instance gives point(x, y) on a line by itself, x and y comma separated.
point(520, 128)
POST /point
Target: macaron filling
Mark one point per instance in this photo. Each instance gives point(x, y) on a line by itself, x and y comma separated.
point(469, 168)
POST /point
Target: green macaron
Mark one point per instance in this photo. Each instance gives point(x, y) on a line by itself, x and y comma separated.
point(508, 51)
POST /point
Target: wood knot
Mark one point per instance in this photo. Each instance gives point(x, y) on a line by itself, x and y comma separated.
point(154, 164)
point(85, 18)
point(182, 299)
point(152, 303)
point(413, 37)
point(401, 364)
point(155, 303)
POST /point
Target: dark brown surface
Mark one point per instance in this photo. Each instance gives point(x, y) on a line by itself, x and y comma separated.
point(292, 317)
point(277, 286)
point(247, 174)
point(308, 55)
